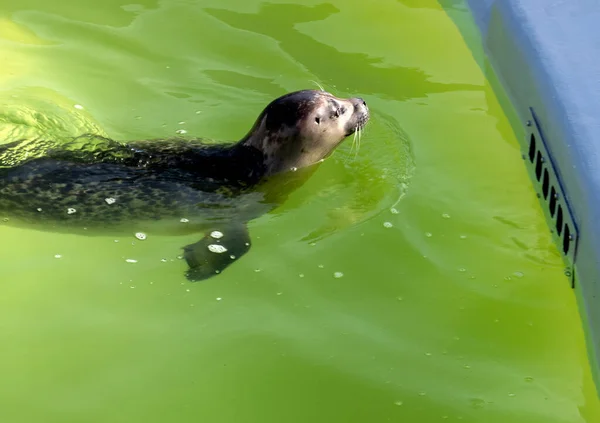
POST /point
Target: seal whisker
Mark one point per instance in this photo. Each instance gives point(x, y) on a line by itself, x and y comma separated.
point(318, 85)
point(359, 135)
point(351, 148)
point(356, 143)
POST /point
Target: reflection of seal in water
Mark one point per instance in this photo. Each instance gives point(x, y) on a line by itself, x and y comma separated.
point(96, 182)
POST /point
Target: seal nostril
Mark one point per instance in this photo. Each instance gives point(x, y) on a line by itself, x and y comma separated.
point(359, 103)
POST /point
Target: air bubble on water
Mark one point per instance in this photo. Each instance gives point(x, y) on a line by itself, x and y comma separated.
point(519, 274)
point(57, 256)
point(387, 224)
point(293, 169)
point(116, 240)
point(71, 210)
point(179, 257)
point(529, 379)
point(39, 209)
point(181, 131)
point(321, 266)
point(496, 320)
point(422, 394)
point(219, 298)
point(393, 210)
point(477, 402)
point(512, 395)
point(78, 106)
point(181, 123)
point(428, 354)
point(131, 261)
point(301, 275)
point(198, 112)
point(399, 298)
point(216, 234)
point(428, 234)
point(187, 290)
point(507, 278)
point(338, 275)
point(216, 248)
point(466, 366)
point(462, 269)
point(463, 237)
point(232, 257)
point(184, 220)
point(164, 260)
point(257, 270)
point(279, 293)
point(141, 236)
point(312, 244)
point(446, 216)
point(398, 403)
point(110, 200)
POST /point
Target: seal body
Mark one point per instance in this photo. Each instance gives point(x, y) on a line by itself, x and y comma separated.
point(191, 181)
point(94, 182)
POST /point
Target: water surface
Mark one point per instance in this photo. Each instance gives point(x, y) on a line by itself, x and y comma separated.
point(413, 281)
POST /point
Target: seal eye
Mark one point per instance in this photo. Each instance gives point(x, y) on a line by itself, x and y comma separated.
point(318, 120)
point(339, 111)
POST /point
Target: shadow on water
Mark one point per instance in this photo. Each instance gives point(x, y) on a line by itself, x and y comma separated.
point(446, 4)
point(278, 21)
point(495, 94)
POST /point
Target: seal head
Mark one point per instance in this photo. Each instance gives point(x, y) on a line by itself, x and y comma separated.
point(301, 128)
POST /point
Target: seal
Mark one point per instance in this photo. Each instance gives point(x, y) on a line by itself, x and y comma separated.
point(178, 185)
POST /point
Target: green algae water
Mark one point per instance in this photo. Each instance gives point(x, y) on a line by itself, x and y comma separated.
point(413, 280)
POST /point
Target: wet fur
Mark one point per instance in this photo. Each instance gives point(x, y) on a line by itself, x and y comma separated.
point(148, 180)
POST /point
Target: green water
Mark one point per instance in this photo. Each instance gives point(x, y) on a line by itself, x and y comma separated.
point(452, 306)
